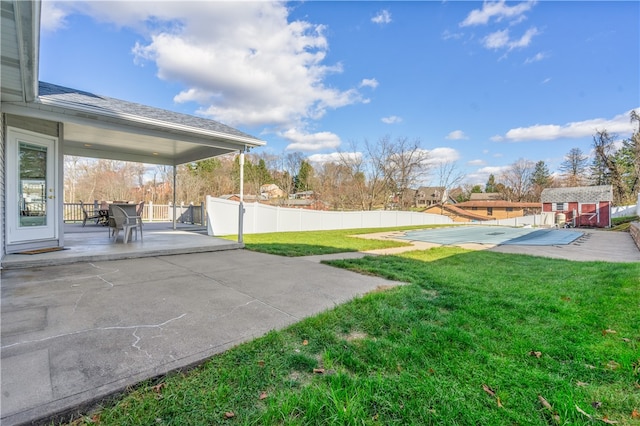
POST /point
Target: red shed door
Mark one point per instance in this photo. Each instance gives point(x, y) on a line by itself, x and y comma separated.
point(588, 215)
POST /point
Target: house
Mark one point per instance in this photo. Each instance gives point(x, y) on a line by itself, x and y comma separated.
point(271, 190)
point(499, 209)
point(455, 213)
point(40, 123)
point(485, 196)
point(580, 206)
point(426, 196)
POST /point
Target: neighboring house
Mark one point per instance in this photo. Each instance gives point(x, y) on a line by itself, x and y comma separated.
point(580, 206)
point(455, 213)
point(246, 198)
point(427, 196)
point(499, 209)
point(303, 195)
point(271, 190)
point(485, 196)
point(42, 122)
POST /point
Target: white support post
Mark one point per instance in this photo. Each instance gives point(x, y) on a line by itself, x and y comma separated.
point(174, 196)
point(241, 207)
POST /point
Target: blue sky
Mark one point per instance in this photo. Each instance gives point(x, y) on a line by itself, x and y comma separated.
point(482, 84)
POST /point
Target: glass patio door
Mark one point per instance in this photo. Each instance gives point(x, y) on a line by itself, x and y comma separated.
point(31, 189)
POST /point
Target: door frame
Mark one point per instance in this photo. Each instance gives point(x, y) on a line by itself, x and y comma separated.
point(14, 233)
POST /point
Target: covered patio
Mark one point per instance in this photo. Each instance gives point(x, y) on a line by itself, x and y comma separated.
point(41, 122)
point(92, 243)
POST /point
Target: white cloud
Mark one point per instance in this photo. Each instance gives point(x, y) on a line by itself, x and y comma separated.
point(383, 17)
point(502, 39)
point(481, 176)
point(392, 119)
point(498, 10)
point(535, 58)
point(53, 16)
point(242, 64)
point(457, 135)
point(476, 163)
point(448, 35)
point(369, 82)
point(335, 157)
point(301, 141)
point(546, 80)
point(442, 155)
point(619, 124)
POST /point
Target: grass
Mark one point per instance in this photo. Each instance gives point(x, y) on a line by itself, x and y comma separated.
point(474, 338)
point(623, 223)
point(294, 244)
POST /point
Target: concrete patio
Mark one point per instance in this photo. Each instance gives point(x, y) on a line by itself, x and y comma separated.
point(92, 243)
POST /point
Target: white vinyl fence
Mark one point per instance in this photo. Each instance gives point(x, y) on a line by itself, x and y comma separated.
point(223, 217)
point(622, 211)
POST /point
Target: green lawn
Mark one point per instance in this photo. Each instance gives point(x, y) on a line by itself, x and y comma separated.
point(320, 242)
point(474, 338)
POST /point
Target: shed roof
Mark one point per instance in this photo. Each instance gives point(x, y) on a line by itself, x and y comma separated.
point(579, 194)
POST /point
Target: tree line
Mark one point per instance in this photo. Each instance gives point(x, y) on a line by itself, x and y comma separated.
point(382, 174)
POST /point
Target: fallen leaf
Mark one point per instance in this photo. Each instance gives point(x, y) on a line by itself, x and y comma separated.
point(581, 411)
point(566, 299)
point(636, 385)
point(262, 396)
point(488, 390)
point(556, 419)
point(596, 404)
point(626, 340)
point(582, 383)
point(607, 421)
point(261, 363)
point(537, 354)
point(612, 365)
point(229, 415)
point(499, 403)
point(318, 370)
point(592, 367)
point(608, 331)
point(635, 414)
point(158, 388)
point(305, 342)
point(545, 403)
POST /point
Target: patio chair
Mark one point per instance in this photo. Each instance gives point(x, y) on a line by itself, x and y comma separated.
point(120, 220)
point(86, 216)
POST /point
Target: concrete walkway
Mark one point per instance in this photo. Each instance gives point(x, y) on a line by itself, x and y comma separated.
point(75, 334)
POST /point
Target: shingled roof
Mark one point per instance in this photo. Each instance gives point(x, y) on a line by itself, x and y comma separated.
point(579, 194)
point(78, 99)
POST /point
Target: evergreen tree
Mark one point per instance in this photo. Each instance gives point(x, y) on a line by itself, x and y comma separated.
point(491, 184)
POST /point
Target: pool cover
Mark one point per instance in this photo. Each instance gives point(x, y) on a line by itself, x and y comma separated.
point(494, 235)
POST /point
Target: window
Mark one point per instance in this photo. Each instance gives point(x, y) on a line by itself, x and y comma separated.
point(560, 207)
point(489, 211)
point(509, 209)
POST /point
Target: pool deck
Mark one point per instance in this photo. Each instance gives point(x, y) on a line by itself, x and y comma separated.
point(590, 244)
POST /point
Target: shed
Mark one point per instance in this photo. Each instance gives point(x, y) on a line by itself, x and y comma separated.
point(580, 205)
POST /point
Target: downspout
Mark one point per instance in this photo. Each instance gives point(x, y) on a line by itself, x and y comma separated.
point(241, 206)
point(174, 196)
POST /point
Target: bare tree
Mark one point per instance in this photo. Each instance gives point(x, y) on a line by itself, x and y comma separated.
point(517, 180)
point(574, 167)
point(448, 176)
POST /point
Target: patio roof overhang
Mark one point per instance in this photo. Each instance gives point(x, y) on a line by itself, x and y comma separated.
point(126, 137)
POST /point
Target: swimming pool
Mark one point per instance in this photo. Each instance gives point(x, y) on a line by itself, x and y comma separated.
point(493, 235)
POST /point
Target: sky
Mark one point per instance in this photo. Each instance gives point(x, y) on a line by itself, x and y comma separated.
point(479, 84)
